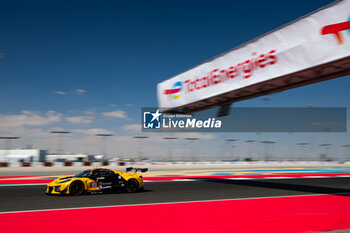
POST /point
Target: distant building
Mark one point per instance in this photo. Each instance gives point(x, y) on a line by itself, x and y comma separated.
point(67, 157)
point(25, 155)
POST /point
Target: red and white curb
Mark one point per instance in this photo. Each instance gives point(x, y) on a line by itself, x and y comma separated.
point(120, 163)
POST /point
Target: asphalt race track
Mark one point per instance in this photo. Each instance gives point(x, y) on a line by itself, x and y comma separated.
point(27, 197)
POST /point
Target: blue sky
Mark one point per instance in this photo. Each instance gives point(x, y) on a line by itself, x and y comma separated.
point(99, 61)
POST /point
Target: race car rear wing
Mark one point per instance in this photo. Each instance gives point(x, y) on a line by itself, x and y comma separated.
point(128, 169)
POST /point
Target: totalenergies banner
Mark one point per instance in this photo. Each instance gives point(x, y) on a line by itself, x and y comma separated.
point(313, 40)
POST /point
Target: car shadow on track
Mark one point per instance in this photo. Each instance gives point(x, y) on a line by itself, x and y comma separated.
point(115, 192)
point(123, 192)
point(284, 186)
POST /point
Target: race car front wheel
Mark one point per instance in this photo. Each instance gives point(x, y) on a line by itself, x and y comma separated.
point(76, 188)
point(132, 186)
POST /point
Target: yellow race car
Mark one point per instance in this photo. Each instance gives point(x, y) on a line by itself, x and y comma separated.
point(97, 180)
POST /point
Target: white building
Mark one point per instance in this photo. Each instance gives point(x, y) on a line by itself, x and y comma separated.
point(25, 155)
point(67, 157)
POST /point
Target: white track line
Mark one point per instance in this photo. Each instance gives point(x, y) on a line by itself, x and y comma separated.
point(198, 179)
point(164, 203)
point(34, 184)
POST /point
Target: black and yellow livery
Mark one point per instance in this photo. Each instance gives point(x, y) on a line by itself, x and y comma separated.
point(97, 180)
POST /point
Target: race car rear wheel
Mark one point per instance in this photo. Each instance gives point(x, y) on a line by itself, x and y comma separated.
point(76, 188)
point(132, 186)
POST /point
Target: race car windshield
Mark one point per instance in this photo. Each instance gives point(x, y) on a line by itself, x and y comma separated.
point(85, 173)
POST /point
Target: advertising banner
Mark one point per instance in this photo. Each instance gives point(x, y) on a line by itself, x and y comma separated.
point(319, 38)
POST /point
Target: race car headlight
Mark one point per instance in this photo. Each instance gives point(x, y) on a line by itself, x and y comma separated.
point(57, 188)
point(63, 181)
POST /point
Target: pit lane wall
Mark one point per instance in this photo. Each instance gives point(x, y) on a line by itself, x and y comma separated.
point(320, 38)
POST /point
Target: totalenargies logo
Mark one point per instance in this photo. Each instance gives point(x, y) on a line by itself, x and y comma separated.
point(154, 120)
point(336, 29)
point(174, 91)
point(245, 69)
